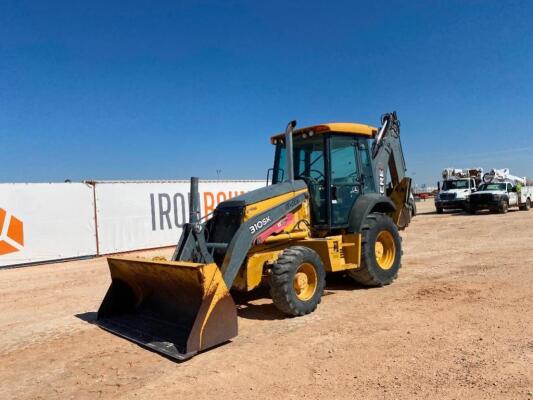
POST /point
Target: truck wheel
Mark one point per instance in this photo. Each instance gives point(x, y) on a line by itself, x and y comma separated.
point(439, 210)
point(504, 207)
point(381, 251)
point(297, 281)
point(526, 206)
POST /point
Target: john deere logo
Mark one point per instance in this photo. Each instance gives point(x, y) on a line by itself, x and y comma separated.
point(11, 233)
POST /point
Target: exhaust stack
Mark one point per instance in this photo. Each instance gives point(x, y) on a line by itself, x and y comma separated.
point(288, 147)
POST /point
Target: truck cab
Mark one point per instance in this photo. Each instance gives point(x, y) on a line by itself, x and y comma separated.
point(499, 196)
point(453, 194)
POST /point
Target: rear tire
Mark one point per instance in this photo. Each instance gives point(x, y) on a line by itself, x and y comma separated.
point(504, 207)
point(297, 281)
point(439, 210)
point(381, 251)
point(526, 206)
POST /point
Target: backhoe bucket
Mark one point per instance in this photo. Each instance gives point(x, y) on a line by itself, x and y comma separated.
point(175, 308)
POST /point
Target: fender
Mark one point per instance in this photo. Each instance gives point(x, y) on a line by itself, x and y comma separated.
point(366, 204)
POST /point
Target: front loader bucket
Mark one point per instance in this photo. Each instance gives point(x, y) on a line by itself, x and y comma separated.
point(174, 308)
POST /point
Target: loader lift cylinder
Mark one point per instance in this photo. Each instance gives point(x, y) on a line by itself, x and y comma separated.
point(194, 202)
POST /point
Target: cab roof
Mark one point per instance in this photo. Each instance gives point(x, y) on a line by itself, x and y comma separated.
point(346, 128)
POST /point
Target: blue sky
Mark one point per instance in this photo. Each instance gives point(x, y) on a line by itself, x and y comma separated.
point(150, 90)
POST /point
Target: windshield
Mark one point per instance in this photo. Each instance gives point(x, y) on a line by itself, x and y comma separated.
point(308, 157)
point(457, 184)
point(493, 186)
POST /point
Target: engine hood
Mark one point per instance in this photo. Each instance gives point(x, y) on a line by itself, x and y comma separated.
point(263, 193)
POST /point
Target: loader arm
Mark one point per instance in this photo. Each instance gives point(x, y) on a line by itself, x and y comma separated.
point(193, 246)
point(387, 156)
point(244, 238)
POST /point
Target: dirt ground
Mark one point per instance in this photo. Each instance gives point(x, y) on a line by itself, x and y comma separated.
point(458, 323)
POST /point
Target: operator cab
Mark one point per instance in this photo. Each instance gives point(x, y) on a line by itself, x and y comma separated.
point(335, 162)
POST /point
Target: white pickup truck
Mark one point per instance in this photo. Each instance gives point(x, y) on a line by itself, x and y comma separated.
point(499, 196)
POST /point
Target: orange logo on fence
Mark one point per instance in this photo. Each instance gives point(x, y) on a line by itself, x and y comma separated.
point(11, 233)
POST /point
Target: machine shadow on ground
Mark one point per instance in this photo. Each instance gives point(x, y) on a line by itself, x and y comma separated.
point(248, 308)
point(89, 316)
point(434, 212)
point(482, 213)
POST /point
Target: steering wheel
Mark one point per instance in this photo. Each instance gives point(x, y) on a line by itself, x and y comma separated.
point(312, 179)
point(355, 175)
point(320, 174)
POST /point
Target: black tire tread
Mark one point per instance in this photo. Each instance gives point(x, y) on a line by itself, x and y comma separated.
point(364, 274)
point(501, 208)
point(281, 280)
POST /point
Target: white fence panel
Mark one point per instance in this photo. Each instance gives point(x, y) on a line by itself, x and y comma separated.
point(45, 221)
point(142, 215)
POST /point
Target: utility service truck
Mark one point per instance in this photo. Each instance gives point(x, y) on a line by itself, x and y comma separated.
point(457, 186)
point(499, 191)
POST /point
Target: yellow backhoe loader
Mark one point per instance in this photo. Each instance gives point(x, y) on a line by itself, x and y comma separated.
point(338, 196)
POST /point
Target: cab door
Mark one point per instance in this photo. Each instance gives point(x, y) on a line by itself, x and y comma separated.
point(345, 178)
point(513, 196)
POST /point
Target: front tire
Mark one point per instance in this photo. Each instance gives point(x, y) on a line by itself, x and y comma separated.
point(297, 281)
point(381, 251)
point(504, 207)
point(439, 210)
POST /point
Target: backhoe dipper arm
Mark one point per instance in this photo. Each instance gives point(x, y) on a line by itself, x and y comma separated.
point(387, 152)
point(387, 155)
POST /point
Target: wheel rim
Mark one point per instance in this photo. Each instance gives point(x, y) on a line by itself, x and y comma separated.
point(305, 281)
point(385, 250)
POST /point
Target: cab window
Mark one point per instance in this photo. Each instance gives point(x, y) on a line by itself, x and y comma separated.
point(345, 178)
point(366, 166)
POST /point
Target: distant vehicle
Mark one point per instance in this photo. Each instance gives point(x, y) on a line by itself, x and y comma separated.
point(500, 191)
point(456, 188)
point(412, 204)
